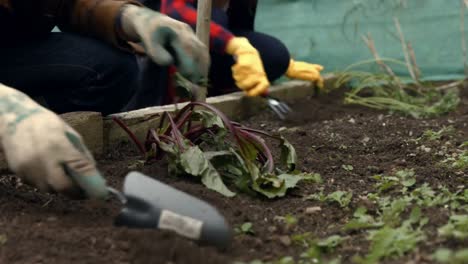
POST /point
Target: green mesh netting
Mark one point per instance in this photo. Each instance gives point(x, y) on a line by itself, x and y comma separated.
point(330, 32)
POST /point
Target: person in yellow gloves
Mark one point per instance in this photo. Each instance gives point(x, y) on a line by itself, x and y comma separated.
point(240, 56)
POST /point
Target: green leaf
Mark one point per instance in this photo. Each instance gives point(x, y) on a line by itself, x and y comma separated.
point(249, 151)
point(347, 167)
point(224, 154)
point(312, 177)
point(275, 186)
point(391, 212)
point(390, 242)
point(457, 227)
point(447, 256)
point(3, 239)
point(245, 228)
point(361, 220)
point(343, 198)
point(194, 162)
point(290, 220)
point(208, 118)
point(443, 255)
point(288, 154)
point(330, 242)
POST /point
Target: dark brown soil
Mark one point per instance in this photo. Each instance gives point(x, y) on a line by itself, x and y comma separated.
point(43, 228)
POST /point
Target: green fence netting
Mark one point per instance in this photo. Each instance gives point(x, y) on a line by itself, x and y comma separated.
point(330, 32)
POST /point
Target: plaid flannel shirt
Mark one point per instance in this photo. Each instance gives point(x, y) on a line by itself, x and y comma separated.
point(183, 10)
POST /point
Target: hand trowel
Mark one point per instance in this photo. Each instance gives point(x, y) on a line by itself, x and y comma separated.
point(149, 203)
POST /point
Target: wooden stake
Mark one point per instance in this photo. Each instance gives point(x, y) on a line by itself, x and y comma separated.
point(203, 31)
point(204, 20)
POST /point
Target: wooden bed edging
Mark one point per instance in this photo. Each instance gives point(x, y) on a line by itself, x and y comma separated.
point(101, 133)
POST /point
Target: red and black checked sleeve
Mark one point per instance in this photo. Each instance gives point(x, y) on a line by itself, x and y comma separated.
point(182, 11)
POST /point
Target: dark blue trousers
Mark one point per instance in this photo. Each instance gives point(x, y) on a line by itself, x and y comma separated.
point(70, 72)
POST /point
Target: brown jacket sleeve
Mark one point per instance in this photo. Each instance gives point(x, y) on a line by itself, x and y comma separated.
point(94, 18)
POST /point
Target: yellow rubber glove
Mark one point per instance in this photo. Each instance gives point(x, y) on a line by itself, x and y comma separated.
point(248, 71)
point(305, 71)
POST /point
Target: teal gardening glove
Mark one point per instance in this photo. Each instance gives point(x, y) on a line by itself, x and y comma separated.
point(44, 151)
point(166, 41)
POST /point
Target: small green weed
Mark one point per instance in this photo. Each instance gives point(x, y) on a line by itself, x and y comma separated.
point(317, 248)
point(246, 228)
point(313, 177)
point(290, 221)
point(431, 135)
point(459, 160)
point(347, 167)
point(388, 242)
point(457, 227)
point(392, 209)
point(343, 198)
point(361, 220)
point(447, 256)
point(405, 178)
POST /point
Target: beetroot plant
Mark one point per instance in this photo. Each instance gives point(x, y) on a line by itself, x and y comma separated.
point(199, 140)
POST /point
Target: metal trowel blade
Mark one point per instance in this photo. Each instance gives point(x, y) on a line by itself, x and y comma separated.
point(153, 204)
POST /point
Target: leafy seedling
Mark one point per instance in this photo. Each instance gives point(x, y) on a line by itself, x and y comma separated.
point(447, 256)
point(391, 210)
point(404, 178)
point(313, 177)
point(457, 227)
point(341, 197)
point(361, 220)
point(431, 135)
point(388, 242)
point(461, 161)
point(202, 142)
point(347, 167)
point(320, 247)
point(245, 228)
point(290, 221)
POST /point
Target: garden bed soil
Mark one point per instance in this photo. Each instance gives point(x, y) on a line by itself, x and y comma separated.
point(45, 228)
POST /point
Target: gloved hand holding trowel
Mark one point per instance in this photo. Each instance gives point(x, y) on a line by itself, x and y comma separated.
point(47, 153)
point(43, 150)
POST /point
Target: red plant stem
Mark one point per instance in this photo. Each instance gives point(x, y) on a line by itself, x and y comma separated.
point(176, 133)
point(182, 111)
point(131, 134)
point(226, 122)
point(167, 138)
point(152, 133)
point(223, 117)
point(256, 131)
point(183, 119)
point(264, 151)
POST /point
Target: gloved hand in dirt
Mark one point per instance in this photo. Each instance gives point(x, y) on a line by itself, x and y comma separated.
point(166, 41)
point(248, 71)
point(305, 71)
point(44, 151)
